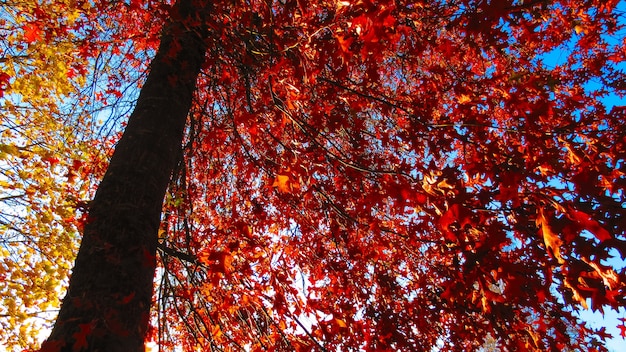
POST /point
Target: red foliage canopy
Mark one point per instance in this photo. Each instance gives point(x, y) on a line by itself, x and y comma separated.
point(394, 175)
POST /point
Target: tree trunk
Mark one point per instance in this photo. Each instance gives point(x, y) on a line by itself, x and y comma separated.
point(107, 305)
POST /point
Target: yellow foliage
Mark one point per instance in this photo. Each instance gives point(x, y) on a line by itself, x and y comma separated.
point(41, 139)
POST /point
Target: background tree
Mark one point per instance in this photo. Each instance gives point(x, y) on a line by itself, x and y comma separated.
point(48, 158)
point(377, 176)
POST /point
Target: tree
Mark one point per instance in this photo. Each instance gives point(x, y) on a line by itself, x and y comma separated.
point(376, 176)
point(46, 144)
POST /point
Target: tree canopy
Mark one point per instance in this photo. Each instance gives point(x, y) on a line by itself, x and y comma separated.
point(355, 175)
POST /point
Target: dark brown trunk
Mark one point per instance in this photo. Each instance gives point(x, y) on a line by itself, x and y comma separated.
point(108, 301)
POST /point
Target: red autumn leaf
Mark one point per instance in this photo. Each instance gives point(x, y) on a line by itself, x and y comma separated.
point(590, 224)
point(219, 262)
point(622, 327)
point(32, 32)
point(458, 215)
point(4, 83)
point(128, 298)
point(52, 160)
point(80, 337)
point(76, 164)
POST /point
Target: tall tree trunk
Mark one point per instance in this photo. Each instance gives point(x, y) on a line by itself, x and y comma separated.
point(107, 305)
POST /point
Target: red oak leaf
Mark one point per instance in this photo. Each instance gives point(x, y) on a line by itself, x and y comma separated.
point(80, 337)
point(32, 32)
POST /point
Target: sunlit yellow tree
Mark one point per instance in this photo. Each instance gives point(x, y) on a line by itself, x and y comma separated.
point(48, 149)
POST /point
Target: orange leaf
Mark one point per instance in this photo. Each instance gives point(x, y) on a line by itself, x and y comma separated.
point(285, 183)
point(344, 43)
point(340, 323)
point(282, 183)
point(552, 241)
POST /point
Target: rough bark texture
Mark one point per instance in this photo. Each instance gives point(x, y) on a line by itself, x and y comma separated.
point(108, 301)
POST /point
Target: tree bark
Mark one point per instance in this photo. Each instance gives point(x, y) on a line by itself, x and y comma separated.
point(107, 306)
